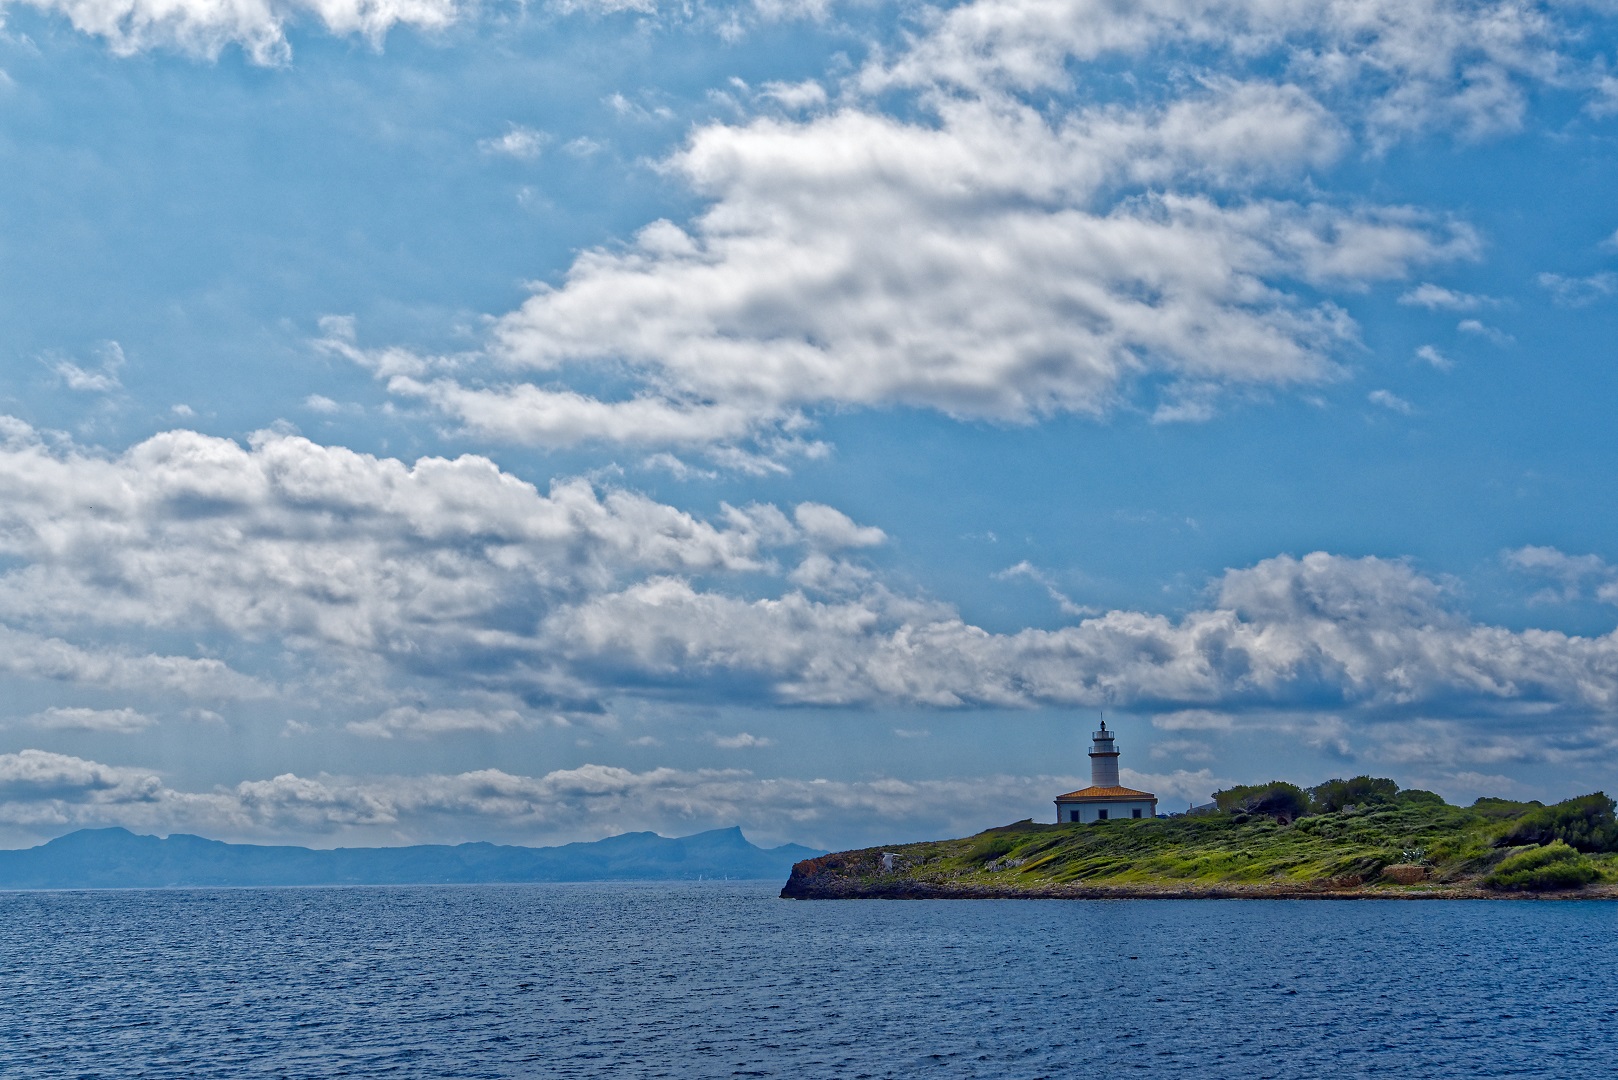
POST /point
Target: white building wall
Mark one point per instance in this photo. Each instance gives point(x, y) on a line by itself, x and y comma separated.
point(1116, 811)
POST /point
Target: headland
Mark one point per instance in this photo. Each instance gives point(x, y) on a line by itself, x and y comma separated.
point(1256, 845)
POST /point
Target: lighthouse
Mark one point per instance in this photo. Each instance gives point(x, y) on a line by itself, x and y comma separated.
point(1105, 799)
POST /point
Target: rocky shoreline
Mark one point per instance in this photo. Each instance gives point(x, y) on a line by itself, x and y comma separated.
point(874, 875)
point(905, 889)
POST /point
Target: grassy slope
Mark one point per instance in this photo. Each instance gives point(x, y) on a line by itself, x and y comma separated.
point(1328, 852)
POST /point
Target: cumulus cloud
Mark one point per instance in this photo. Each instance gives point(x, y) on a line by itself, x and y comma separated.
point(742, 740)
point(556, 600)
point(1492, 334)
point(443, 566)
point(1429, 355)
point(101, 379)
point(30, 656)
point(119, 721)
point(257, 27)
point(1009, 250)
point(1573, 577)
point(1400, 65)
point(827, 527)
point(1367, 634)
point(801, 95)
point(45, 789)
point(1579, 291)
point(1437, 298)
point(1387, 399)
point(411, 721)
point(520, 142)
point(988, 265)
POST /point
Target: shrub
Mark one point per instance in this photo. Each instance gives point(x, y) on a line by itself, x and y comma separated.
point(991, 847)
point(1504, 809)
point(1333, 795)
point(1277, 799)
point(1419, 797)
point(1554, 866)
point(1586, 823)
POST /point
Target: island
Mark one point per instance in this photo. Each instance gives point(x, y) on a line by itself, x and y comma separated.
point(115, 858)
point(1354, 838)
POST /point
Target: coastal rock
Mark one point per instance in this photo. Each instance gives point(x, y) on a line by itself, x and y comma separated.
point(1405, 873)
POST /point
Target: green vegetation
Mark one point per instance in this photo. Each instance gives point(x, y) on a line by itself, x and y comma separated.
point(1359, 835)
point(1585, 823)
point(1554, 866)
point(1277, 799)
point(1335, 795)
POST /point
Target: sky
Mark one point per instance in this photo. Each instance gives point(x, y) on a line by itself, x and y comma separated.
point(430, 421)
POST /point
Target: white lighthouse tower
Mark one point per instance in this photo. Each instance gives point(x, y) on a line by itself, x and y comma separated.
point(1105, 799)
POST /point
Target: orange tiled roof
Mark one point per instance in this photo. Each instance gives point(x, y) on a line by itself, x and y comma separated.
point(1108, 793)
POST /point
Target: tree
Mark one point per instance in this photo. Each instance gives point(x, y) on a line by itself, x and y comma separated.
point(1333, 795)
point(1277, 799)
point(1586, 823)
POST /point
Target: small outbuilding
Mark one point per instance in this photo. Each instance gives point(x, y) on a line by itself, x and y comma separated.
point(1105, 799)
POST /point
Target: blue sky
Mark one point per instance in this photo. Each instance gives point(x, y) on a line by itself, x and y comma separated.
point(432, 421)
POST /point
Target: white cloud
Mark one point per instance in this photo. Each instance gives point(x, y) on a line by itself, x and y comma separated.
point(1387, 399)
point(1576, 577)
point(376, 580)
point(1431, 356)
point(257, 27)
point(991, 265)
point(31, 656)
point(102, 379)
point(42, 788)
point(1195, 720)
point(1064, 603)
point(584, 147)
point(1579, 291)
point(320, 403)
point(522, 143)
point(742, 740)
point(1437, 298)
point(424, 723)
point(1491, 334)
point(444, 566)
point(1010, 251)
point(808, 94)
point(1193, 750)
point(830, 528)
point(1364, 634)
point(120, 721)
point(1399, 65)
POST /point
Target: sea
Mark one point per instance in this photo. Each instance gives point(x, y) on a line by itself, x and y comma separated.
point(723, 979)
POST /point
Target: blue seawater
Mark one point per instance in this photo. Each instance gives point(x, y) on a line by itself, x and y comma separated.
point(725, 980)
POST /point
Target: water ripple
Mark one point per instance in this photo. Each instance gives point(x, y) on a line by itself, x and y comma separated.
point(723, 980)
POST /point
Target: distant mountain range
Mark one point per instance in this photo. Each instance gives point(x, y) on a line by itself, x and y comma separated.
point(120, 859)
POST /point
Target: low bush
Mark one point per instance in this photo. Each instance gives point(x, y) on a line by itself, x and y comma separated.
point(1586, 823)
point(1504, 809)
point(1277, 799)
point(1333, 795)
point(1554, 866)
point(991, 847)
